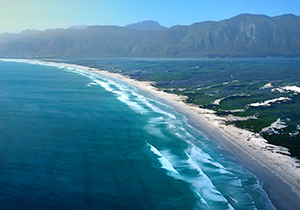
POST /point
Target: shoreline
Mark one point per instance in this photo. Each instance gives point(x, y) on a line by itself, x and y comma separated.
point(280, 173)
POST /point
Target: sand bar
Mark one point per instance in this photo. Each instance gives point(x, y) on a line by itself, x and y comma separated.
point(280, 173)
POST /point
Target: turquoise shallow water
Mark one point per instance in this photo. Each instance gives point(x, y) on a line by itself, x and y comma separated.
point(72, 139)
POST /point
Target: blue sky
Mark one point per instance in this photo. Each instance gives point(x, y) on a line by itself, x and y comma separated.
point(18, 15)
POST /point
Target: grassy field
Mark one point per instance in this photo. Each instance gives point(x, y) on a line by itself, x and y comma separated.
point(230, 87)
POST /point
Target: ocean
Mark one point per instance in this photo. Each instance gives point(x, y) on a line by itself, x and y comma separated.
point(73, 139)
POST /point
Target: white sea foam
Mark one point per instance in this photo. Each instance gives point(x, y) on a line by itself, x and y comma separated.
point(192, 173)
point(122, 92)
point(164, 162)
point(132, 104)
point(199, 156)
point(204, 186)
point(158, 110)
point(201, 183)
point(174, 124)
point(196, 158)
point(91, 83)
point(105, 85)
point(125, 93)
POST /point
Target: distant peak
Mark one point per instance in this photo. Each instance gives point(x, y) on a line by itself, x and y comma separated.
point(246, 15)
point(287, 16)
point(147, 25)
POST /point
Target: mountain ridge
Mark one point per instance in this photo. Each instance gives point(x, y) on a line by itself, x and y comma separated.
point(245, 35)
point(147, 25)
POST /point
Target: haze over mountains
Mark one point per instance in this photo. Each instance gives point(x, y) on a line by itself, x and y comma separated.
point(244, 35)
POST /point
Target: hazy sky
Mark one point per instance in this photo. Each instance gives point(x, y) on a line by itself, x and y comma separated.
point(18, 15)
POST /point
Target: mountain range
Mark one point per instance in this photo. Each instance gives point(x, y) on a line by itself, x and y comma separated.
point(244, 35)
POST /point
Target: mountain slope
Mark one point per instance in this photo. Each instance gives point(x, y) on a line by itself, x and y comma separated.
point(244, 35)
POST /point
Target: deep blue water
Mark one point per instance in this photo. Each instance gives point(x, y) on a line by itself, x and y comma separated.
point(72, 139)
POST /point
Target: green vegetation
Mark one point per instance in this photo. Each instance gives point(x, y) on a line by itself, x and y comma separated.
point(238, 82)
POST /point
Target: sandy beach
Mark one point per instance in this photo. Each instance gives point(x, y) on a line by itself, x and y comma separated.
point(279, 172)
